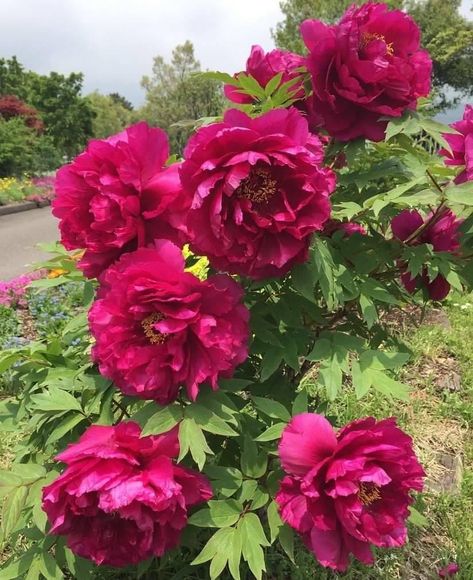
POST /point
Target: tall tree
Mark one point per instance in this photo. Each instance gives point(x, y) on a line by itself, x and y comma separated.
point(67, 116)
point(110, 115)
point(121, 100)
point(446, 34)
point(175, 94)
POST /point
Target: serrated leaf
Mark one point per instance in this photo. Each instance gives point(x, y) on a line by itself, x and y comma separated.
point(253, 462)
point(13, 505)
point(361, 381)
point(216, 542)
point(219, 514)
point(163, 420)
point(300, 404)
point(191, 438)
point(272, 433)
point(274, 520)
point(55, 399)
point(382, 360)
point(208, 420)
point(388, 386)
point(272, 359)
point(368, 310)
point(322, 350)
point(226, 480)
point(286, 539)
point(271, 408)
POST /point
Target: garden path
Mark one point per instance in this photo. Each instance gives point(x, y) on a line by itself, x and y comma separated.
point(19, 234)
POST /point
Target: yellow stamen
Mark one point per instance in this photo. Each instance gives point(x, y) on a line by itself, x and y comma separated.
point(368, 37)
point(153, 335)
point(258, 187)
point(368, 493)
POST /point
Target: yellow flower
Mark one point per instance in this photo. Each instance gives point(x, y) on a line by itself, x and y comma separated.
point(56, 272)
point(200, 268)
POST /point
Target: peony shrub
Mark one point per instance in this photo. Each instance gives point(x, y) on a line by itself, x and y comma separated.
point(231, 298)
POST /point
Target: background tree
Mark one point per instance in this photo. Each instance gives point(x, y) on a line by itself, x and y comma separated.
point(446, 34)
point(110, 115)
point(67, 116)
point(174, 94)
point(121, 100)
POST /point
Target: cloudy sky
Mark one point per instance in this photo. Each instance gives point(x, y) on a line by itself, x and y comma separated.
point(113, 41)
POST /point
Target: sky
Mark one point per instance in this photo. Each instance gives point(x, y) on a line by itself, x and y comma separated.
point(113, 41)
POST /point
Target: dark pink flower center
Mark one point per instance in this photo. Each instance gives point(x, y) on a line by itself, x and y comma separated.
point(368, 493)
point(259, 186)
point(153, 335)
point(368, 37)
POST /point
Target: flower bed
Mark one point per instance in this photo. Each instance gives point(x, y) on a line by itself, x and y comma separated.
point(39, 190)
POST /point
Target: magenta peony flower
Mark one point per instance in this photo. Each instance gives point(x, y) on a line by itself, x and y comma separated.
point(442, 233)
point(346, 491)
point(461, 144)
point(349, 228)
point(263, 67)
point(449, 570)
point(367, 66)
point(258, 192)
point(117, 196)
point(122, 498)
point(157, 327)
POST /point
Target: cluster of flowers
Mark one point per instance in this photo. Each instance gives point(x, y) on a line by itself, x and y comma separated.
point(44, 189)
point(249, 194)
point(13, 292)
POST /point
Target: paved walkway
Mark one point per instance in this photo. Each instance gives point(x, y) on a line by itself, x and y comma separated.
point(19, 234)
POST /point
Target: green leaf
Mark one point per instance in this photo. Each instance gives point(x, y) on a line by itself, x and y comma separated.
point(388, 386)
point(382, 360)
point(55, 399)
point(322, 350)
point(191, 438)
point(65, 426)
point(8, 482)
point(217, 542)
point(253, 464)
point(274, 520)
point(331, 376)
point(272, 408)
point(272, 433)
point(219, 514)
point(272, 359)
point(163, 420)
point(273, 84)
point(226, 480)
point(462, 193)
point(417, 519)
point(234, 556)
point(248, 490)
point(361, 381)
point(303, 281)
point(368, 309)
point(13, 505)
point(286, 539)
point(34, 569)
point(208, 420)
point(253, 537)
point(300, 404)
point(49, 567)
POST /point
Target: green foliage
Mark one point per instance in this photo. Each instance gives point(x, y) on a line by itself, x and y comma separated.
point(111, 116)
point(67, 116)
point(176, 97)
point(23, 150)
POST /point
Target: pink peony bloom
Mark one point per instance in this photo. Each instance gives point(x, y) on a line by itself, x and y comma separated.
point(349, 228)
point(118, 195)
point(442, 234)
point(450, 570)
point(347, 491)
point(367, 66)
point(122, 498)
point(258, 192)
point(263, 67)
point(461, 144)
point(157, 327)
